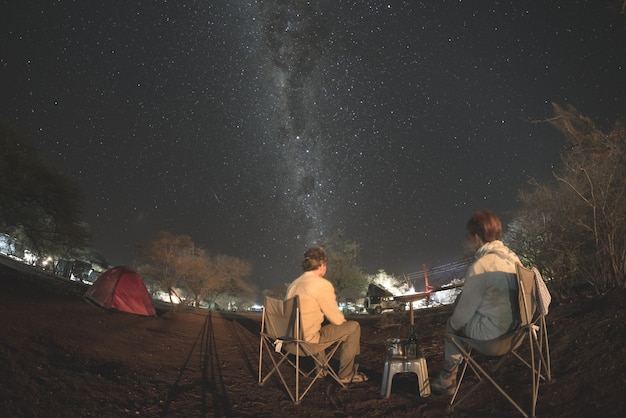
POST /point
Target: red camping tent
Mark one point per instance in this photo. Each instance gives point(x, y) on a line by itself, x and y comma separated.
point(121, 288)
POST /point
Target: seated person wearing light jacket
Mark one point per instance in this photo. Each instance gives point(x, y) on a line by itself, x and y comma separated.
point(483, 311)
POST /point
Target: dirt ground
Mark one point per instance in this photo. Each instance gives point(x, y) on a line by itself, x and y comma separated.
point(61, 356)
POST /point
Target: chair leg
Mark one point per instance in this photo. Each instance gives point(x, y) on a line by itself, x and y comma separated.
point(481, 374)
point(545, 348)
point(385, 389)
point(322, 364)
point(497, 386)
point(260, 359)
point(276, 369)
point(297, 378)
point(321, 361)
point(461, 376)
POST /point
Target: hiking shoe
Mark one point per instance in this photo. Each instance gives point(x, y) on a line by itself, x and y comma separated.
point(445, 383)
point(442, 386)
point(358, 377)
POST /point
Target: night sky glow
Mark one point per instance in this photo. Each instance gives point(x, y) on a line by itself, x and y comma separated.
point(261, 127)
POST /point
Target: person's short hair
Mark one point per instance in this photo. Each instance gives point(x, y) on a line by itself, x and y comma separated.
point(314, 258)
point(486, 224)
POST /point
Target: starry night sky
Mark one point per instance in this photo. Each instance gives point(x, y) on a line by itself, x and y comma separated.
point(259, 128)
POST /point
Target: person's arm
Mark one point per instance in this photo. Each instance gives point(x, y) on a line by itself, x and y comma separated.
point(470, 299)
point(328, 304)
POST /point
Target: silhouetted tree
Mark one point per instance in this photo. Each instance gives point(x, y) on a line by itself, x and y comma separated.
point(229, 275)
point(39, 206)
point(343, 271)
point(195, 269)
point(278, 292)
point(173, 261)
point(162, 260)
point(203, 275)
point(575, 228)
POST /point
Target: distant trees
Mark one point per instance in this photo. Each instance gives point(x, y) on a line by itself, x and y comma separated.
point(390, 282)
point(277, 292)
point(196, 274)
point(575, 227)
point(347, 277)
point(204, 276)
point(173, 262)
point(39, 206)
point(160, 260)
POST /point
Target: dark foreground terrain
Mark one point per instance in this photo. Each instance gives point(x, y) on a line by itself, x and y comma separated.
point(63, 357)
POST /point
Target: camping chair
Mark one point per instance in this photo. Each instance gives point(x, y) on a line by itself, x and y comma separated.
point(282, 341)
point(532, 330)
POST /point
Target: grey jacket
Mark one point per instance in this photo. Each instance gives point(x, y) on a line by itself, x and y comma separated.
point(483, 311)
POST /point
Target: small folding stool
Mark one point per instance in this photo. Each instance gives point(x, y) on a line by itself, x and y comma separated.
point(395, 365)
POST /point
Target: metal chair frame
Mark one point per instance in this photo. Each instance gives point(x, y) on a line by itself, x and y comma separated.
point(283, 342)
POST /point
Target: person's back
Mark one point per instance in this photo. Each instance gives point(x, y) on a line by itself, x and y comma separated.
point(484, 309)
point(317, 299)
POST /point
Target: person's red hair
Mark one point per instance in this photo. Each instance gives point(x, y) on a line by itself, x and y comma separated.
point(486, 225)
